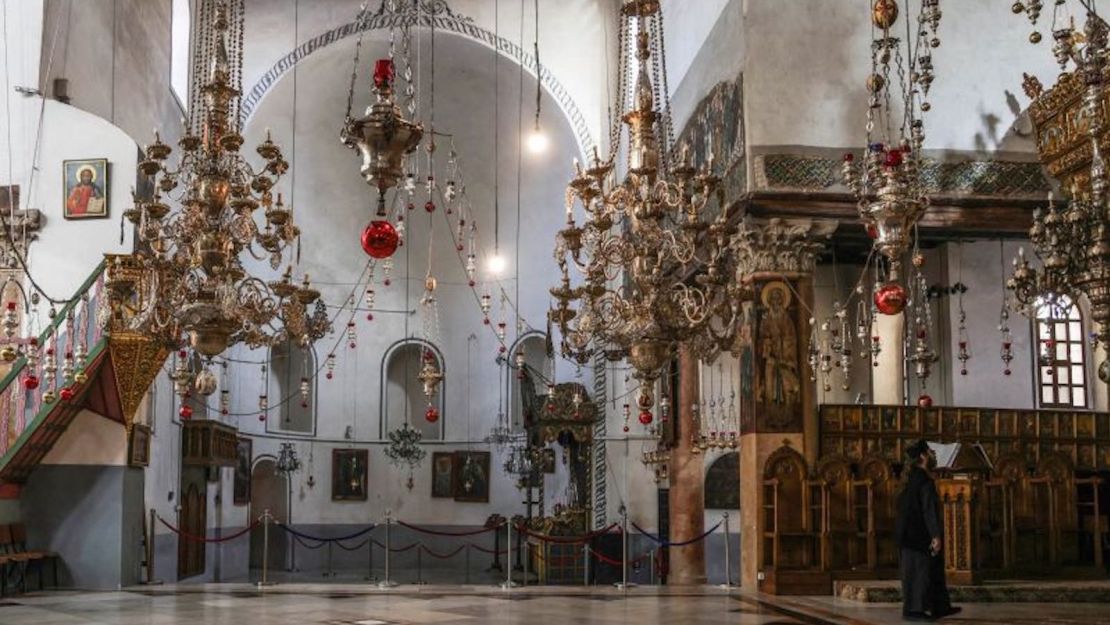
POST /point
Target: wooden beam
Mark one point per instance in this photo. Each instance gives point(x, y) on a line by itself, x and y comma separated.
point(948, 218)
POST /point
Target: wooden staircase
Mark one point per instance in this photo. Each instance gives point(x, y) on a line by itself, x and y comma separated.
point(29, 425)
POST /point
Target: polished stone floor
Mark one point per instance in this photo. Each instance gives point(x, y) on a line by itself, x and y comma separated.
point(353, 604)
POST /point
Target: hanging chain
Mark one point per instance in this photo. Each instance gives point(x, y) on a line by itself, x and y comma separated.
point(360, 25)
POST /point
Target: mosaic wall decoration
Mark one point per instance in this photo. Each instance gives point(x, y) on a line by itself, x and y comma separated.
point(991, 178)
point(716, 128)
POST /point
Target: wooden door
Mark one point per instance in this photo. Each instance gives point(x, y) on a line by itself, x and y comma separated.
point(192, 521)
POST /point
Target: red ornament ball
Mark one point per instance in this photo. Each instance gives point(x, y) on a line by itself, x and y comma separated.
point(431, 415)
point(186, 412)
point(329, 375)
point(645, 417)
point(626, 428)
point(890, 299)
point(893, 158)
point(379, 239)
point(31, 382)
point(925, 401)
point(369, 316)
point(66, 394)
point(872, 231)
point(430, 206)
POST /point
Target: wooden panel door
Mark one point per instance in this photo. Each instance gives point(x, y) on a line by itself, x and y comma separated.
point(192, 521)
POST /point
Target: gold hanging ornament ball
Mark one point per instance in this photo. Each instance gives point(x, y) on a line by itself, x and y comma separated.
point(80, 377)
point(8, 353)
point(1017, 7)
point(884, 13)
point(918, 260)
point(875, 83)
point(1034, 37)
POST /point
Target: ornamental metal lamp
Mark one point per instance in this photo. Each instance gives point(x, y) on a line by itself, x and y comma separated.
point(651, 255)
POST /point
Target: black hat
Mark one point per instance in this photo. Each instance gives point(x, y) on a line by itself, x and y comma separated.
point(913, 452)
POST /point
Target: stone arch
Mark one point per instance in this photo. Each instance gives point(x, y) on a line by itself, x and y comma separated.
point(443, 19)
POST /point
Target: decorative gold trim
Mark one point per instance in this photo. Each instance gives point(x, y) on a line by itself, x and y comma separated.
point(136, 361)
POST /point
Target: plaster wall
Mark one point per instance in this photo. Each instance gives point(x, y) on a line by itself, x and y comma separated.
point(21, 113)
point(986, 267)
point(807, 61)
point(116, 57)
point(90, 440)
point(67, 251)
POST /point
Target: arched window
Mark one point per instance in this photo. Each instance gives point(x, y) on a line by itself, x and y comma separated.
point(1060, 357)
point(292, 366)
point(403, 396)
point(531, 351)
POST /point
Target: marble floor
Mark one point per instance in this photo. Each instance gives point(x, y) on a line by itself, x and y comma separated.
point(355, 604)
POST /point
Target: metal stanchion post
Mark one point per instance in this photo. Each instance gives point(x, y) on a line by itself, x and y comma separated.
point(388, 583)
point(265, 581)
point(586, 563)
point(651, 567)
point(330, 572)
point(369, 557)
point(508, 583)
point(150, 581)
point(728, 548)
point(624, 583)
point(420, 566)
point(467, 578)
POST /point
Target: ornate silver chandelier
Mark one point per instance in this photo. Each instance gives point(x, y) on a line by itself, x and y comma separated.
point(190, 275)
point(888, 185)
point(653, 259)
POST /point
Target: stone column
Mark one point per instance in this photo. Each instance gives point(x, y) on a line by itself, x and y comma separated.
point(889, 377)
point(687, 482)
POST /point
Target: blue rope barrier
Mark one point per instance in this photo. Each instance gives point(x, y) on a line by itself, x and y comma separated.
point(326, 540)
point(667, 543)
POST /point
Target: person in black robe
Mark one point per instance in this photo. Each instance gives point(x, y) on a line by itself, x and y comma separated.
point(919, 532)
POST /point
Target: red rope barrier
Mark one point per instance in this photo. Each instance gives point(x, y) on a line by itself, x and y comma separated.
point(424, 530)
point(441, 556)
point(608, 560)
point(204, 539)
point(489, 551)
point(566, 539)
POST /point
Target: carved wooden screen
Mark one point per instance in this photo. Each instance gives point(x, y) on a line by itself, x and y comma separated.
point(884, 489)
point(841, 547)
point(789, 541)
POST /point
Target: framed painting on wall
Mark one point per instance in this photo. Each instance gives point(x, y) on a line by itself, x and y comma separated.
point(138, 453)
point(85, 184)
point(443, 466)
point(349, 468)
point(471, 476)
point(242, 485)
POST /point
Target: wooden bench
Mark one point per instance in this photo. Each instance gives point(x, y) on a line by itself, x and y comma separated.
point(14, 556)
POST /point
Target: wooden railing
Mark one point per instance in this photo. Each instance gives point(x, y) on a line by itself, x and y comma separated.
point(74, 324)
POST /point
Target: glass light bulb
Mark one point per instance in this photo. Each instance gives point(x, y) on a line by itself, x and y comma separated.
point(537, 141)
point(496, 264)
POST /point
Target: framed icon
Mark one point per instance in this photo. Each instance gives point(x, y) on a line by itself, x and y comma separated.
point(86, 188)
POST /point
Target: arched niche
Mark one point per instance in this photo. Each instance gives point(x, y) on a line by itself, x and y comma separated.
point(290, 365)
point(532, 350)
point(403, 396)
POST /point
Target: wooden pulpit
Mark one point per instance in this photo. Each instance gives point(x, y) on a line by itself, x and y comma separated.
point(960, 469)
